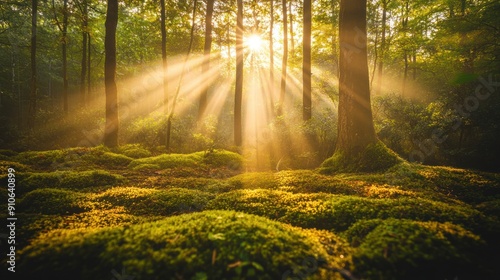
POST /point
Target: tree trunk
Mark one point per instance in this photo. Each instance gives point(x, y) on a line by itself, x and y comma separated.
point(292, 42)
point(33, 93)
point(206, 61)
point(355, 125)
point(83, 73)
point(238, 138)
point(178, 89)
point(89, 82)
point(64, 55)
point(382, 46)
point(111, 129)
point(284, 60)
point(306, 64)
point(163, 28)
point(271, 58)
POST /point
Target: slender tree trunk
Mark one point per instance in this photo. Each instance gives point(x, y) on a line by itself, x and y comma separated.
point(375, 49)
point(178, 89)
point(163, 28)
point(238, 137)
point(111, 129)
point(414, 63)
point(206, 61)
point(306, 64)
point(83, 73)
point(292, 42)
point(355, 125)
point(382, 46)
point(64, 55)
point(271, 57)
point(284, 61)
point(33, 93)
point(89, 81)
point(405, 31)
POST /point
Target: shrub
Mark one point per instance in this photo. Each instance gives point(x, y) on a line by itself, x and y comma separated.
point(206, 245)
point(54, 202)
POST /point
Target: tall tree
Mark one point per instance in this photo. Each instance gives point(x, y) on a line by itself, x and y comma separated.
point(64, 46)
point(382, 45)
point(271, 56)
point(33, 93)
point(206, 60)
point(238, 93)
point(183, 71)
point(284, 60)
point(306, 62)
point(355, 121)
point(85, 37)
point(112, 123)
point(163, 28)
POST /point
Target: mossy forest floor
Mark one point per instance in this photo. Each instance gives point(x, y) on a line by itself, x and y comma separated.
point(94, 213)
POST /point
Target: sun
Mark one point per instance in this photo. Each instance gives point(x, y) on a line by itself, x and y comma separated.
point(254, 42)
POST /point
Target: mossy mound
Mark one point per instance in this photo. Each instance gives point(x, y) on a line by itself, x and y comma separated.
point(403, 249)
point(18, 167)
point(54, 202)
point(236, 245)
point(68, 180)
point(338, 213)
point(141, 201)
point(134, 151)
point(214, 159)
point(374, 158)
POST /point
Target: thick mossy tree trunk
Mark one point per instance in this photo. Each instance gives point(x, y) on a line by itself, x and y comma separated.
point(111, 129)
point(357, 147)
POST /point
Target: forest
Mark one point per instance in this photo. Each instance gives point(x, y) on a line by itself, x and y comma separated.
point(250, 139)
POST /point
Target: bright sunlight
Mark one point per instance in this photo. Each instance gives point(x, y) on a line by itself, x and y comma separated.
point(254, 42)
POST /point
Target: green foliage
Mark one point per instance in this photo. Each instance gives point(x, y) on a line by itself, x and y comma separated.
point(54, 202)
point(376, 157)
point(238, 246)
point(18, 167)
point(403, 249)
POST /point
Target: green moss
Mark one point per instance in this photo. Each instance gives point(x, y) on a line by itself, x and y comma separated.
point(214, 159)
point(54, 202)
point(491, 208)
point(18, 167)
point(146, 166)
point(402, 249)
point(68, 180)
point(140, 201)
point(134, 151)
point(375, 158)
point(211, 245)
point(8, 153)
point(338, 213)
point(41, 159)
point(109, 160)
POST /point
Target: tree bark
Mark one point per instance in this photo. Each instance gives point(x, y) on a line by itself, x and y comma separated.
point(183, 71)
point(306, 64)
point(206, 61)
point(163, 28)
point(271, 58)
point(83, 73)
point(112, 124)
point(382, 46)
point(355, 124)
point(33, 93)
point(64, 55)
point(284, 60)
point(238, 137)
